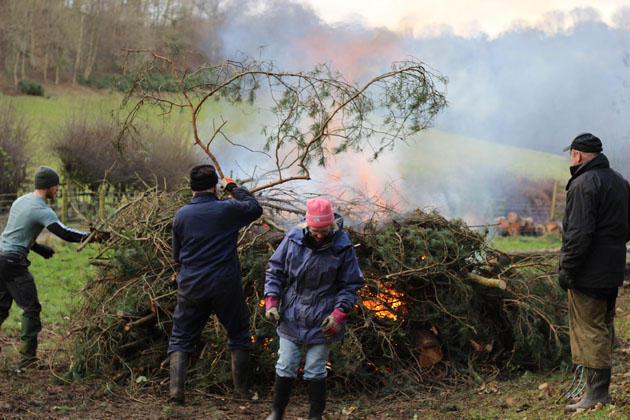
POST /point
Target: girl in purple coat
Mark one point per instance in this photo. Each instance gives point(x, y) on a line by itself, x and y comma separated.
point(310, 287)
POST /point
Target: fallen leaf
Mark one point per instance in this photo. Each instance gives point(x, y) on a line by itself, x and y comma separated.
point(346, 411)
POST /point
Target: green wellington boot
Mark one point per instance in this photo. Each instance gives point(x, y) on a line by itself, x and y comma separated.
point(28, 346)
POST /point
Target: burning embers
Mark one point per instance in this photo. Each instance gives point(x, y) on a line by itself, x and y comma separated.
point(385, 303)
point(388, 303)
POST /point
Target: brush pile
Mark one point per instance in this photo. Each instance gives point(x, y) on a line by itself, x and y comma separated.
point(440, 306)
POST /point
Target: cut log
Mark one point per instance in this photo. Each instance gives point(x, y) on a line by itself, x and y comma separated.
point(553, 227)
point(485, 281)
point(514, 229)
point(429, 349)
point(513, 217)
point(541, 229)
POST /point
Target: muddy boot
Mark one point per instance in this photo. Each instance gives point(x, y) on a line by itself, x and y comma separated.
point(179, 364)
point(240, 359)
point(281, 393)
point(317, 398)
point(28, 346)
point(597, 383)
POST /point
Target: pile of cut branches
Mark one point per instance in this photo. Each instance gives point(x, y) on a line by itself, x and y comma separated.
point(426, 277)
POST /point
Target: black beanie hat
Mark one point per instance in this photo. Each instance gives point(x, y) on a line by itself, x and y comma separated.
point(45, 177)
point(203, 177)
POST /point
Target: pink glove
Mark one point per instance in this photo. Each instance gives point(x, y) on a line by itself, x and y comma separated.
point(333, 323)
point(271, 308)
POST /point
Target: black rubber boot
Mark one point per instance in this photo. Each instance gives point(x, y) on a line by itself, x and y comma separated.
point(597, 384)
point(28, 346)
point(281, 393)
point(179, 364)
point(317, 398)
point(240, 360)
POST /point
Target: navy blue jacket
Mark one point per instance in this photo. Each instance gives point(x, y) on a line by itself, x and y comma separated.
point(311, 284)
point(205, 236)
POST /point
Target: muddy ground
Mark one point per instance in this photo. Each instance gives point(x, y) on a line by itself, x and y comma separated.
point(37, 393)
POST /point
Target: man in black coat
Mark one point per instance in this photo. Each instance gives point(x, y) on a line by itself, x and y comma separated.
point(205, 236)
point(592, 262)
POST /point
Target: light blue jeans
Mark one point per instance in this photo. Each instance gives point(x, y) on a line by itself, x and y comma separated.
point(290, 356)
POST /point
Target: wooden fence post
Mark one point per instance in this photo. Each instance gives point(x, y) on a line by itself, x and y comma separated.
point(65, 191)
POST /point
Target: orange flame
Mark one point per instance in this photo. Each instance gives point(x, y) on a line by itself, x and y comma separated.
point(386, 303)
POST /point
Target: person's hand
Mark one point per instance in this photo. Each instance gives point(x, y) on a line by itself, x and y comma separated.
point(100, 236)
point(227, 184)
point(566, 280)
point(43, 250)
point(333, 323)
point(271, 308)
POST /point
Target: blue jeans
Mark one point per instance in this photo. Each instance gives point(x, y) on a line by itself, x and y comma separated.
point(289, 357)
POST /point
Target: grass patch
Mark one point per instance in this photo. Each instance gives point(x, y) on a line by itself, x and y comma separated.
point(59, 281)
point(47, 115)
point(525, 243)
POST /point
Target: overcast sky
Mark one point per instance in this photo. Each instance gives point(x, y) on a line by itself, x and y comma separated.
point(466, 17)
point(531, 74)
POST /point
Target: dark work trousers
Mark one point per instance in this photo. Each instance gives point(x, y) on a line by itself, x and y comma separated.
point(17, 284)
point(225, 298)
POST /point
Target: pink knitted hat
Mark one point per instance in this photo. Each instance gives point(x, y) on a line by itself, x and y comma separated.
point(319, 212)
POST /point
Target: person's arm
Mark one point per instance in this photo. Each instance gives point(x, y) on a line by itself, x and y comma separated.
point(244, 204)
point(350, 280)
point(67, 234)
point(276, 276)
point(628, 189)
point(43, 250)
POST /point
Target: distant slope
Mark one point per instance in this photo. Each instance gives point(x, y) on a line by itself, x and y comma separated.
point(440, 153)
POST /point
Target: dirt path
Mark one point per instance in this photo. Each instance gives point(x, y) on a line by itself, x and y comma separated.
point(36, 394)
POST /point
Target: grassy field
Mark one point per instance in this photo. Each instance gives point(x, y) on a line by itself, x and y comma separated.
point(525, 243)
point(59, 280)
point(47, 115)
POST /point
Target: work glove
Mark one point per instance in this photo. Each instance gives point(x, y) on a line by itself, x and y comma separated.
point(271, 308)
point(100, 236)
point(333, 323)
point(227, 184)
point(43, 250)
point(566, 280)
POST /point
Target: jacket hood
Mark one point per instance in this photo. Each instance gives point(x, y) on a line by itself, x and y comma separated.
point(339, 242)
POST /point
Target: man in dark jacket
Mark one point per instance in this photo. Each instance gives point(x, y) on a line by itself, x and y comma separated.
point(205, 236)
point(28, 216)
point(592, 261)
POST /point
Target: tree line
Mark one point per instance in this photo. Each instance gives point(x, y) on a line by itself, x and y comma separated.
point(73, 41)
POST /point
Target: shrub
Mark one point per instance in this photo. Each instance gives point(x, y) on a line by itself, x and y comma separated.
point(88, 155)
point(14, 138)
point(30, 87)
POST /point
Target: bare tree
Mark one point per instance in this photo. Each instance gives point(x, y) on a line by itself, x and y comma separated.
point(317, 113)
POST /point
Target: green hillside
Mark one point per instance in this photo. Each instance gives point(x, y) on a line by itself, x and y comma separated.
point(441, 153)
point(47, 115)
point(436, 155)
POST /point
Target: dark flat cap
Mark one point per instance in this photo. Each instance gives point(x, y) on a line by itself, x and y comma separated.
point(585, 142)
